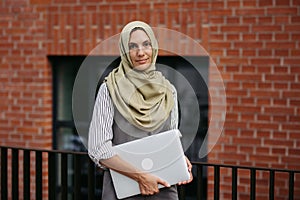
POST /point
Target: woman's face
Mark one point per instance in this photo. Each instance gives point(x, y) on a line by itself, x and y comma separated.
point(140, 50)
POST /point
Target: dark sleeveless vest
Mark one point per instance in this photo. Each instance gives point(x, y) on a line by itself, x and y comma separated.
point(124, 132)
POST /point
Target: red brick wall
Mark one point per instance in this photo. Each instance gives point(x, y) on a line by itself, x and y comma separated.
point(255, 45)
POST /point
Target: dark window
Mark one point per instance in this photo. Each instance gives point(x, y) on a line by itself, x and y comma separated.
point(193, 69)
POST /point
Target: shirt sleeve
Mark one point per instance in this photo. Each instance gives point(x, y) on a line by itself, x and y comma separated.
point(100, 130)
point(174, 112)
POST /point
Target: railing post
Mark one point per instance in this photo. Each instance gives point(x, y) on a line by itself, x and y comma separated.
point(3, 173)
point(216, 182)
point(199, 182)
point(181, 192)
point(234, 183)
point(26, 174)
point(51, 176)
point(252, 184)
point(64, 176)
point(38, 175)
point(15, 174)
point(271, 184)
point(77, 177)
point(91, 180)
point(291, 185)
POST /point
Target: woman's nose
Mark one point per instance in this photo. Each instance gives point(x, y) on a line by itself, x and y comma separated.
point(140, 52)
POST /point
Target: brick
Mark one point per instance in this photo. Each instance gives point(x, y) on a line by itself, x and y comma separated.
point(278, 142)
point(283, 77)
point(249, 77)
point(248, 44)
point(281, 11)
point(246, 109)
point(266, 28)
point(264, 61)
point(291, 160)
point(282, 52)
point(280, 45)
point(265, 3)
point(247, 117)
point(233, 36)
point(249, 37)
point(249, 3)
point(249, 85)
point(248, 20)
point(261, 117)
point(234, 60)
point(235, 28)
point(282, 3)
point(281, 19)
point(263, 125)
point(292, 28)
point(295, 19)
point(250, 11)
point(246, 141)
point(293, 127)
point(282, 36)
point(233, 20)
point(221, 12)
point(248, 52)
point(265, 52)
point(265, 20)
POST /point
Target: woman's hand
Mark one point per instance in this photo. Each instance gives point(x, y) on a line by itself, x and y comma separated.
point(189, 165)
point(148, 183)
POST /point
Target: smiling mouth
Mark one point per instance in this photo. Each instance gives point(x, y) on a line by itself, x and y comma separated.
point(142, 61)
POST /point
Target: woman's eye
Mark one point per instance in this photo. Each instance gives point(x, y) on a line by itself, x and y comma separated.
point(133, 46)
point(147, 44)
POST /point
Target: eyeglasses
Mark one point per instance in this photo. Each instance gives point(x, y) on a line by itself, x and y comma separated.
point(135, 47)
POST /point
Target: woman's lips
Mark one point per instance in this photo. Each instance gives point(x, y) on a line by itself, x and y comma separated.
point(142, 61)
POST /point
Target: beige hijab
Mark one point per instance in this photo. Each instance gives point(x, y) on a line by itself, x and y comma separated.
point(144, 98)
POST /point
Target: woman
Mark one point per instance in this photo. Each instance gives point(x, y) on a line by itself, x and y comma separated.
point(134, 101)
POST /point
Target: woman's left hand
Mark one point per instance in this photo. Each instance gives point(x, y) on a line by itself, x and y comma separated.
point(189, 165)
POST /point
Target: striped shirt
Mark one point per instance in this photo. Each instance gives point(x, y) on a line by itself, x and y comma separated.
point(101, 126)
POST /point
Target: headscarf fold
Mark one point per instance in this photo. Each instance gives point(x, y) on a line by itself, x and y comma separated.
point(145, 97)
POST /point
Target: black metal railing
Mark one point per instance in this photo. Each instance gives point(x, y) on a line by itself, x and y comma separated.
point(72, 175)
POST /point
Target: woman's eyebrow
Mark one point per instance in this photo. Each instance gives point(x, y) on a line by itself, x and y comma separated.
point(137, 43)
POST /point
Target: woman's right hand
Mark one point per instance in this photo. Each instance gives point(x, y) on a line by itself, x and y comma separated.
point(148, 183)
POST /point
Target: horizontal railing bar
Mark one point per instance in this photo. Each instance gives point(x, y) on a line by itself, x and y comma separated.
point(46, 150)
point(245, 167)
point(193, 162)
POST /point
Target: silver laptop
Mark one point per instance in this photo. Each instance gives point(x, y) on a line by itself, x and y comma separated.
point(160, 154)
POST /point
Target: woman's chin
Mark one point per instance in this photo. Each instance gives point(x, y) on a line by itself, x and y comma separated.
point(142, 67)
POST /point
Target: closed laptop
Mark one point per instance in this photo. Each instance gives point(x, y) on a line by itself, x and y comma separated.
point(161, 154)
